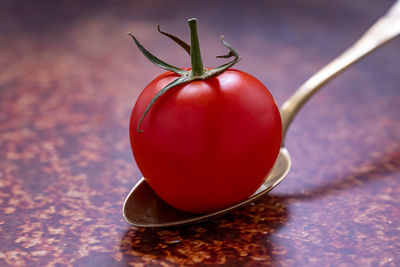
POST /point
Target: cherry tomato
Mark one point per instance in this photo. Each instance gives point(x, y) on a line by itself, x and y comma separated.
point(206, 144)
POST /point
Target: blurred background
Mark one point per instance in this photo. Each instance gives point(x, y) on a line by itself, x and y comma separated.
point(281, 42)
point(69, 77)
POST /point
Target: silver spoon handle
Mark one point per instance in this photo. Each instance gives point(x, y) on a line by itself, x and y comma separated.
point(384, 30)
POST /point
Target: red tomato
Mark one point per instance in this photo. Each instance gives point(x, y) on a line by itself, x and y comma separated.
point(207, 144)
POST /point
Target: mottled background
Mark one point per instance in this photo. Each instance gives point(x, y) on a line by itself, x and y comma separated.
point(69, 76)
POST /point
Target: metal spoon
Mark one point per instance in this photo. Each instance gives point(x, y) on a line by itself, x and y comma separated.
point(143, 208)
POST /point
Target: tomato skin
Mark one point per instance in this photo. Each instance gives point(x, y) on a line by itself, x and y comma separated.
point(206, 144)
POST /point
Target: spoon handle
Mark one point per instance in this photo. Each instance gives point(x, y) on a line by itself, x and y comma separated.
point(384, 30)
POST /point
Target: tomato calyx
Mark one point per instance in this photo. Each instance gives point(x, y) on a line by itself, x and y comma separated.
point(197, 72)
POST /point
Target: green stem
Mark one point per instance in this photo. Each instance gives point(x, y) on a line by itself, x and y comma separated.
point(195, 55)
point(197, 73)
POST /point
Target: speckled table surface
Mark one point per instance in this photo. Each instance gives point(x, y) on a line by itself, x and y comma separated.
point(68, 81)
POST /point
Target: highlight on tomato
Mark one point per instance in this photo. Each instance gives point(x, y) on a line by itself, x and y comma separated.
point(204, 138)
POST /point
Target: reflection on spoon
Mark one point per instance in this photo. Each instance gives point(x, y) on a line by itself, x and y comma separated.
point(143, 208)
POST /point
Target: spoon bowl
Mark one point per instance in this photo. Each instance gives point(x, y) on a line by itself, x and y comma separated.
point(143, 208)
